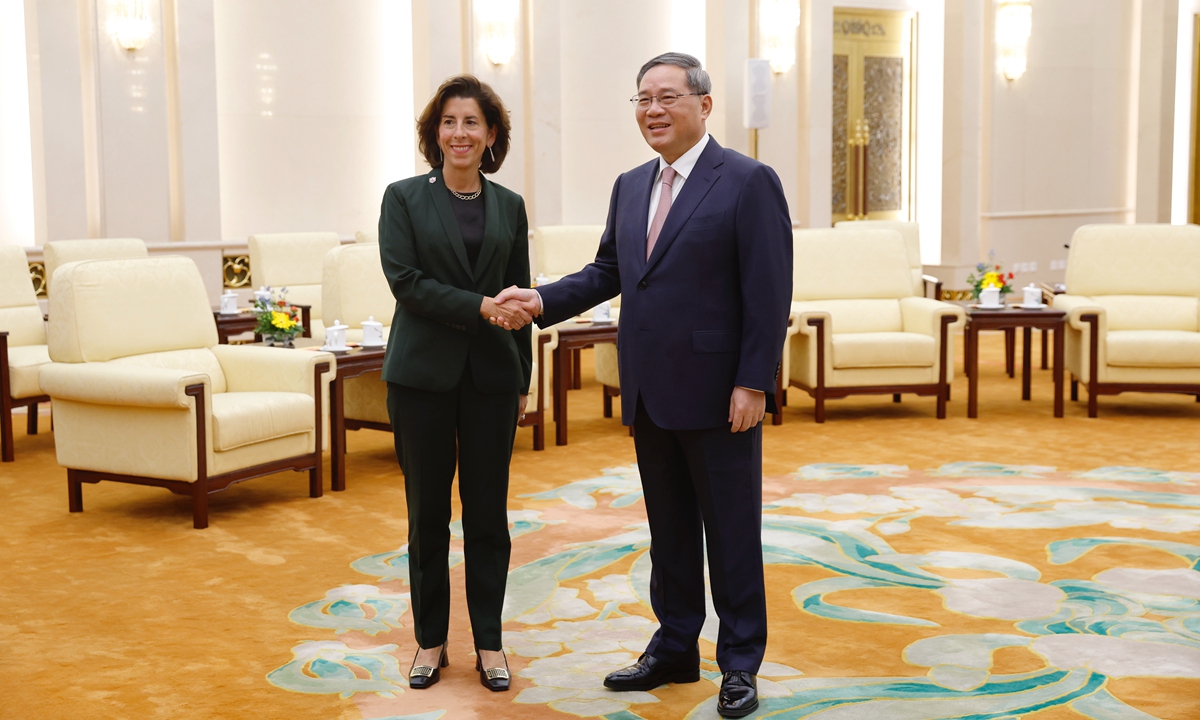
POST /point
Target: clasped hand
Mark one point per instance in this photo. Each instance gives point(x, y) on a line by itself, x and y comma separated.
point(512, 309)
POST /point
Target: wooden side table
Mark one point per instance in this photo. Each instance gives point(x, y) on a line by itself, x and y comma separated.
point(357, 361)
point(1010, 319)
point(572, 337)
point(245, 321)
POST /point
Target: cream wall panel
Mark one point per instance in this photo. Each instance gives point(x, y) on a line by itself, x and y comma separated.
point(1059, 135)
point(301, 121)
point(603, 46)
point(132, 119)
point(546, 122)
point(198, 121)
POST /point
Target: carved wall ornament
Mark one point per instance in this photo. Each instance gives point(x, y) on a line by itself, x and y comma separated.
point(859, 26)
point(37, 274)
point(235, 271)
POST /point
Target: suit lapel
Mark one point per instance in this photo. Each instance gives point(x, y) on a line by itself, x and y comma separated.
point(491, 228)
point(643, 180)
point(695, 187)
point(437, 193)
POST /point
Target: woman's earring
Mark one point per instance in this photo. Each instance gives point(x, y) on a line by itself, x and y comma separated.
point(492, 154)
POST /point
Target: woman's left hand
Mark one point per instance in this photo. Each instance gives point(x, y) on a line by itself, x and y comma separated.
point(521, 407)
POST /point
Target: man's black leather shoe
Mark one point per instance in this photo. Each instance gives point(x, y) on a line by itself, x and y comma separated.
point(739, 694)
point(649, 673)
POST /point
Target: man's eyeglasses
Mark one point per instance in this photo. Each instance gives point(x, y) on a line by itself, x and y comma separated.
point(665, 100)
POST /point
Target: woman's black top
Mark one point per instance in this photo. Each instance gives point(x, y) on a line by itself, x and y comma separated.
point(470, 217)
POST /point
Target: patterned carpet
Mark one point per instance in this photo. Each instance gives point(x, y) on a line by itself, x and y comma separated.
point(1016, 566)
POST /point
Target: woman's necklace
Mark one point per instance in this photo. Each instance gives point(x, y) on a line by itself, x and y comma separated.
point(462, 196)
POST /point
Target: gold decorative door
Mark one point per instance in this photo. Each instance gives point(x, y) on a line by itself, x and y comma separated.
point(872, 114)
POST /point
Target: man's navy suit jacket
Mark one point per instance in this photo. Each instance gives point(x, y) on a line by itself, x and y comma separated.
point(708, 310)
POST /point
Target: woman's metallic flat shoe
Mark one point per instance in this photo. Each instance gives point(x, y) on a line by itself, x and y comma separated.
point(494, 679)
point(423, 676)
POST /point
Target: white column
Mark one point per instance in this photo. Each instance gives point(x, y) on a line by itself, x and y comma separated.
point(16, 151)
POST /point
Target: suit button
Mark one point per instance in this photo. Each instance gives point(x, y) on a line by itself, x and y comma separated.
point(642, 285)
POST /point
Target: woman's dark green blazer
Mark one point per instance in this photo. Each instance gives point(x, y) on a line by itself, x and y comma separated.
point(437, 325)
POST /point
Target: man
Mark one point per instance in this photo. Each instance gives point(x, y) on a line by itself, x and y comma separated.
point(698, 243)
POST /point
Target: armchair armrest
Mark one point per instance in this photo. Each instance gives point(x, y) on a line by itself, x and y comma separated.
point(264, 369)
point(937, 286)
point(813, 325)
point(1076, 306)
point(134, 386)
point(924, 315)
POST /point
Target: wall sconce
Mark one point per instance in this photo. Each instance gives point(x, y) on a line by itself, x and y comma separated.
point(777, 23)
point(499, 21)
point(129, 23)
point(1014, 25)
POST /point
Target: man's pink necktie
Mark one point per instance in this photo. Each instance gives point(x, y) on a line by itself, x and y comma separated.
point(664, 207)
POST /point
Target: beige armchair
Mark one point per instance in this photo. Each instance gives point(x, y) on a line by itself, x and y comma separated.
point(354, 289)
point(922, 283)
point(857, 327)
point(295, 261)
point(367, 236)
point(143, 393)
point(22, 347)
point(544, 343)
point(60, 252)
point(1133, 310)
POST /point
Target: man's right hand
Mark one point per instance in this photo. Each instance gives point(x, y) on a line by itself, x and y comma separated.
point(517, 301)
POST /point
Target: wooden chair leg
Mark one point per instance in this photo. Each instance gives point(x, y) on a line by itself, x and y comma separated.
point(200, 504)
point(943, 393)
point(31, 419)
point(1093, 400)
point(539, 434)
point(819, 409)
point(607, 402)
point(315, 482)
point(6, 434)
point(74, 492)
point(896, 398)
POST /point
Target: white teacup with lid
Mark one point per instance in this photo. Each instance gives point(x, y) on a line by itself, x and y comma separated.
point(602, 313)
point(990, 297)
point(229, 303)
point(1033, 296)
point(335, 336)
point(372, 333)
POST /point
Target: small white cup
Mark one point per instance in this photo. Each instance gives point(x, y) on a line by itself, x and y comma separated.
point(229, 303)
point(262, 295)
point(602, 312)
point(335, 336)
point(1033, 295)
point(989, 297)
point(372, 333)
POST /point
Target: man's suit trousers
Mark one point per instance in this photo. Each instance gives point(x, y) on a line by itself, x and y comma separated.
point(704, 485)
point(432, 431)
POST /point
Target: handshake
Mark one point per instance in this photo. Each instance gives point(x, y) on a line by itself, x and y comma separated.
point(513, 308)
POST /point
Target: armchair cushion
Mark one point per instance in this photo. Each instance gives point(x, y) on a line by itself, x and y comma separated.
point(883, 349)
point(20, 315)
point(1151, 312)
point(923, 315)
point(1153, 348)
point(112, 384)
point(60, 252)
point(244, 418)
point(24, 366)
point(1134, 260)
point(856, 316)
point(265, 369)
point(107, 309)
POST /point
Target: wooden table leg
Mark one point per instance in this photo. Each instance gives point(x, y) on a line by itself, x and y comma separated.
point(337, 435)
point(576, 368)
point(973, 371)
point(1010, 351)
point(1058, 368)
point(562, 383)
point(1026, 362)
point(1045, 349)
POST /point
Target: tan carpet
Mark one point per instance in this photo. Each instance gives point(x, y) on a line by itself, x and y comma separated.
point(1010, 585)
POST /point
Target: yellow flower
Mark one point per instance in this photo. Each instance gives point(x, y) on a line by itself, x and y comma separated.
point(282, 320)
point(993, 279)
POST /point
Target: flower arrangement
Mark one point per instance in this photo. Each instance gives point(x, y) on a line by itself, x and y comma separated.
point(990, 274)
point(278, 321)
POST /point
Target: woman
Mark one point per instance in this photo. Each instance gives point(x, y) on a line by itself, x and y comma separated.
point(457, 384)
